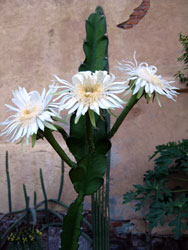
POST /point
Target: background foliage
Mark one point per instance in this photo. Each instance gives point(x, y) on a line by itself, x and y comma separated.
point(165, 188)
point(183, 58)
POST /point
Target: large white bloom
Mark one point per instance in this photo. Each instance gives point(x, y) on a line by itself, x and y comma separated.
point(90, 91)
point(32, 111)
point(144, 77)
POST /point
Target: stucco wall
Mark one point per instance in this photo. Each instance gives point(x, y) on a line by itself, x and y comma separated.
point(42, 38)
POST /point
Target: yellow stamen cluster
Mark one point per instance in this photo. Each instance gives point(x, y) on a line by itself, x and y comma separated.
point(89, 92)
point(28, 114)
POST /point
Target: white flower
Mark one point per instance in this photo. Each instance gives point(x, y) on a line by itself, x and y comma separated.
point(90, 91)
point(32, 111)
point(144, 77)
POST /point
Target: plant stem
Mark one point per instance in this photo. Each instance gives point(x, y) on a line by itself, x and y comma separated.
point(61, 131)
point(132, 101)
point(89, 129)
point(45, 196)
point(61, 181)
point(51, 139)
point(8, 183)
point(26, 202)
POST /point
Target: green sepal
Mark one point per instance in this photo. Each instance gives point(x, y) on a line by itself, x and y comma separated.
point(34, 138)
point(71, 229)
point(92, 117)
point(21, 141)
point(140, 93)
point(111, 113)
point(88, 176)
point(49, 125)
point(157, 99)
point(55, 118)
point(147, 98)
point(131, 84)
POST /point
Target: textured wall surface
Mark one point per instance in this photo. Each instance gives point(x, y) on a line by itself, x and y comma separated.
point(42, 38)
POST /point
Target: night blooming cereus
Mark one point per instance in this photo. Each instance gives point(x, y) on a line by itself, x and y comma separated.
point(143, 79)
point(32, 112)
point(89, 92)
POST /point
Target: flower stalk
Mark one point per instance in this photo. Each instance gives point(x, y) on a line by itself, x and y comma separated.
point(90, 131)
point(51, 139)
point(61, 131)
point(132, 101)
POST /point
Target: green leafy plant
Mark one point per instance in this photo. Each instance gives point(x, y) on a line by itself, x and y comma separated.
point(164, 190)
point(183, 58)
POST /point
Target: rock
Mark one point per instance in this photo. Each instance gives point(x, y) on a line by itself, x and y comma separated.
point(54, 240)
point(84, 244)
point(124, 229)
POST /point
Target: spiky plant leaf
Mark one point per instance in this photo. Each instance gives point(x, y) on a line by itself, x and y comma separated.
point(71, 225)
point(96, 43)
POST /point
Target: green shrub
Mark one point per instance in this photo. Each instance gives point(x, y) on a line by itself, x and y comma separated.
point(183, 58)
point(159, 194)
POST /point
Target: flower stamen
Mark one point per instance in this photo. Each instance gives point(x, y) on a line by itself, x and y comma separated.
point(28, 114)
point(90, 91)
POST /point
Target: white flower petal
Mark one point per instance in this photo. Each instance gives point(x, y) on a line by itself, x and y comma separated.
point(90, 91)
point(70, 103)
point(138, 85)
point(11, 107)
point(113, 101)
point(116, 98)
point(18, 135)
point(74, 108)
point(96, 108)
point(40, 124)
point(145, 76)
point(31, 112)
point(84, 110)
point(79, 111)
